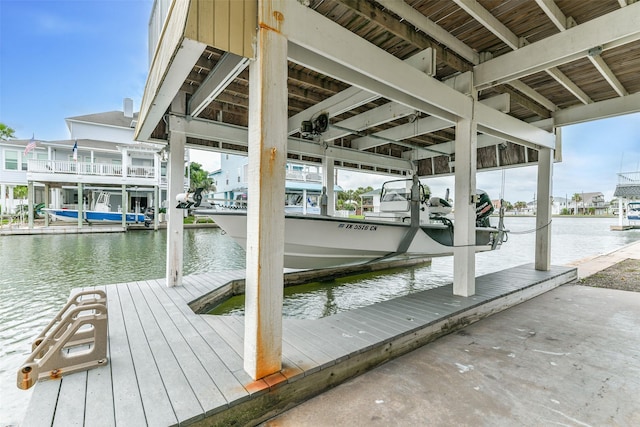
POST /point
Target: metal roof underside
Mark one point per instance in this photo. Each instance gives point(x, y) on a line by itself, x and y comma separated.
point(536, 64)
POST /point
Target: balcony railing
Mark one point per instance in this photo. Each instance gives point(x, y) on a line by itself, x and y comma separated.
point(629, 178)
point(83, 168)
point(303, 176)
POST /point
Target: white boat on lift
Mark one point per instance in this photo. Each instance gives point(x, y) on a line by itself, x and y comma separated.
point(404, 228)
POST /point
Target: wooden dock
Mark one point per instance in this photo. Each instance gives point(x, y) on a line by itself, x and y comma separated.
point(171, 366)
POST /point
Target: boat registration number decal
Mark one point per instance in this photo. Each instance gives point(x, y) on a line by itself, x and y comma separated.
point(358, 227)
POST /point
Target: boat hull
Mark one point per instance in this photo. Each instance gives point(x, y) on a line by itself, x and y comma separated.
point(71, 215)
point(313, 241)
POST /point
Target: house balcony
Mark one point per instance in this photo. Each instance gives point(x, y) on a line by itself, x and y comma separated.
point(61, 172)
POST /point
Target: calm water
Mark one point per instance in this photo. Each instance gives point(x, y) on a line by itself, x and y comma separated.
point(37, 274)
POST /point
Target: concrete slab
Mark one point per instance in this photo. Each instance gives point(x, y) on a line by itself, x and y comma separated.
point(568, 357)
point(589, 266)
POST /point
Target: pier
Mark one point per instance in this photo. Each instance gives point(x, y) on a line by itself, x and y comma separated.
point(168, 365)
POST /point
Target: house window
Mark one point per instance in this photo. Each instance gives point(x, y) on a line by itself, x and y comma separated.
point(227, 181)
point(25, 160)
point(11, 160)
point(238, 179)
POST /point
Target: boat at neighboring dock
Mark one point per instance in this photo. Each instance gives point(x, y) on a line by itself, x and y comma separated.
point(99, 213)
point(404, 227)
point(633, 211)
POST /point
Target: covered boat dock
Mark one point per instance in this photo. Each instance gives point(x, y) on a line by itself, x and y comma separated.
point(403, 88)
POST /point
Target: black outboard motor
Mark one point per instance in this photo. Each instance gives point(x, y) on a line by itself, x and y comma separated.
point(484, 208)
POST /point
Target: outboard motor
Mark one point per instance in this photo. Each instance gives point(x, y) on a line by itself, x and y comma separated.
point(439, 207)
point(484, 208)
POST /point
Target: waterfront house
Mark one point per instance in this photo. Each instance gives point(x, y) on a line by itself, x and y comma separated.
point(303, 188)
point(100, 155)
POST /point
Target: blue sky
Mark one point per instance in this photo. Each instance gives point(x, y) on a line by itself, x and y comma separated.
point(62, 59)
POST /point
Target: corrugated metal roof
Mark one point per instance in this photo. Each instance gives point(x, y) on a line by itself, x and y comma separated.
point(627, 191)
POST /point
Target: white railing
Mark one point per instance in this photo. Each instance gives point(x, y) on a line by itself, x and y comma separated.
point(304, 176)
point(629, 178)
point(84, 168)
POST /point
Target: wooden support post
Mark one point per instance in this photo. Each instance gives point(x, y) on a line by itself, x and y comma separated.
point(464, 238)
point(265, 214)
point(175, 224)
point(80, 204)
point(543, 211)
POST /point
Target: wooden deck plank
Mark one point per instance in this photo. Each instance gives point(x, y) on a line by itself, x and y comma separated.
point(292, 369)
point(356, 324)
point(98, 410)
point(333, 344)
point(68, 412)
point(158, 409)
point(296, 333)
point(228, 333)
point(127, 395)
point(370, 320)
point(181, 394)
point(203, 385)
point(373, 315)
point(41, 410)
point(232, 360)
point(225, 381)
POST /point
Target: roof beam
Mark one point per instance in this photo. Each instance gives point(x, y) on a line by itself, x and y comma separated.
point(561, 78)
point(396, 81)
point(226, 70)
point(441, 35)
point(400, 29)
point(222, 132)
point(408, 13)
point(608, 31)
point(374, 117)
point(560, 20)
point(353, 97)
point(598, 110)
point(419, 127)
point(337, 52)
point(484, 17)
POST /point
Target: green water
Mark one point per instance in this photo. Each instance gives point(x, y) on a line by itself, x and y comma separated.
point(321, 299)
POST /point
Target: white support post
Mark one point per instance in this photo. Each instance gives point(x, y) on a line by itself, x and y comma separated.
point(125, 163)
point(329, 182)
point(464, 256)
point(175, 224)
point(30, 196)
point(265, 214)
point(47, 200)
point(543, 212)
point(80, 204)
point(304, 201)
point(3, 200)
point(124, 207)
point(156, 204)
point(620, 216)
